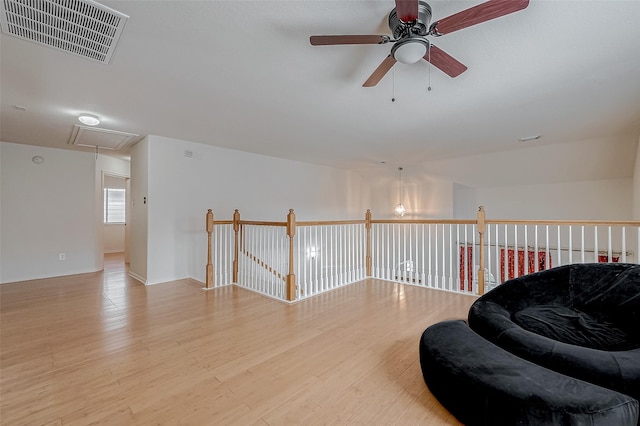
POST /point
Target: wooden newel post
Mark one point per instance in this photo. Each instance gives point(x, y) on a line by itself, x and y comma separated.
point(209, 283)
point(367, 225)
point(481, 229)
point(291, 278)
point(236, 230)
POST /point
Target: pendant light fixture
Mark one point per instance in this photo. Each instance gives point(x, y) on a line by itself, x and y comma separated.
point(400, 210)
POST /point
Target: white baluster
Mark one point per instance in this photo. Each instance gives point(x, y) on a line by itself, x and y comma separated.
point(452, 250)
point(582, 260)
point(465, 262)
point(624, 244)
point(429, 258)
point(609, 243)
point(506, 253)
point(487, 265)
point(443, 279)
point(497, 239)
point(536, 265)
point(516, 253)
point(526, 250)
point(422, 269)
point(546, 250)
point(558, 247)
point(596, 250)
point(474, 257)
point(570, 244)
point(435, 259)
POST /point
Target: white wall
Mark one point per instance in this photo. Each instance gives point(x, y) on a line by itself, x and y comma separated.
point(589, 200)
point(540, 163)
point(636, 185)
point(138, 210)
point(1, 209)
point(423, 196)
point(113, 238)
point(47, 209)
point(181, 189)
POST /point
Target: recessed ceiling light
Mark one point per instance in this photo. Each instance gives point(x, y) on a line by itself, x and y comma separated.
point(89, 119)
point(530, 138)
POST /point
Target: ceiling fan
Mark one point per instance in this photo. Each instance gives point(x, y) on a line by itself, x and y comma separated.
point(409, 24)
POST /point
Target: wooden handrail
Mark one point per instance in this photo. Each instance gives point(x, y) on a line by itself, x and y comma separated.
point(264, 265)
point(262, 223)
point(439, 222)
point(330, 222)
point(291, 223)
point(427, 221)
point(563, 222)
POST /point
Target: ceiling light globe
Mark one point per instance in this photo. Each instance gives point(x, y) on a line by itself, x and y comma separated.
point(89, 120)
point(410, 51)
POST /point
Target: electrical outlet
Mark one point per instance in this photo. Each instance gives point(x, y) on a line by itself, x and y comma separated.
point(62, 256)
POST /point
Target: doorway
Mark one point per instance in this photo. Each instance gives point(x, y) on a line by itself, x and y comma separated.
point(115, 196)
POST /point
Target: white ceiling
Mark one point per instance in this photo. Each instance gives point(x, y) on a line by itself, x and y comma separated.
point(242, 75)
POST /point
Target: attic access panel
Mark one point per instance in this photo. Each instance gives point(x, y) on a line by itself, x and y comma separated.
point(95, 137)
point(81, 27)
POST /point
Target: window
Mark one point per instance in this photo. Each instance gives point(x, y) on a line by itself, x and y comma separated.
point(114, 205)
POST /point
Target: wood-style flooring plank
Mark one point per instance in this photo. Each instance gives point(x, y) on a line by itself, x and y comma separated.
point(104, 349)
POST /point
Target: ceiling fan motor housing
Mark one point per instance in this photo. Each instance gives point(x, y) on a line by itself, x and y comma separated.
point(401, 29)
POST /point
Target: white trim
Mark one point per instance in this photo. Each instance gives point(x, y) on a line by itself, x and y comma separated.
point(138, 277)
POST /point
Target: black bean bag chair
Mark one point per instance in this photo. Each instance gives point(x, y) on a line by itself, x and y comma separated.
point(580, 320)
point(482, 384)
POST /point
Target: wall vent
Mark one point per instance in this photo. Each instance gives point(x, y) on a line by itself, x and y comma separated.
point(80, 27)
point(95, 137)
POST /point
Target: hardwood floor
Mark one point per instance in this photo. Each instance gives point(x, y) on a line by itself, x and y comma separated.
point(103, 348)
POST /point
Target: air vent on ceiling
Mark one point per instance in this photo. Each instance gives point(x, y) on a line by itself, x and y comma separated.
point(84, 28)
point(101, 138)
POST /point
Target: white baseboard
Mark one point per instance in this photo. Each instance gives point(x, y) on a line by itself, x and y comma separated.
point(138, 277)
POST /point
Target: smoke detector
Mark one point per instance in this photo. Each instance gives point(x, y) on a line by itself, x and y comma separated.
point(80, 27)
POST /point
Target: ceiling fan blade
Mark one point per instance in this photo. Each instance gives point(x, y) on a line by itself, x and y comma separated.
point(380, 72)
point(445, 62)
point(475, 15)
point(326, 40)
point(407, 10)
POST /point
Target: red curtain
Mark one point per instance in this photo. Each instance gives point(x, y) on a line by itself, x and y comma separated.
point(531, 258)
point(605, 259)
point(468, 266)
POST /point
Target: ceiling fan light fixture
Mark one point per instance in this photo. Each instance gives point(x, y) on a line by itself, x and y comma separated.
point(89, 119)
point(410, 50)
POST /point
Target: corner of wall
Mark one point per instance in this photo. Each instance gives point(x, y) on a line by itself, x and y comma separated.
point(636, 184)
point(1, 180)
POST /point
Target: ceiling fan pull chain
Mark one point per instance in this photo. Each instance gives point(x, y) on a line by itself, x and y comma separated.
point(393, 85)
point(429, 62)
